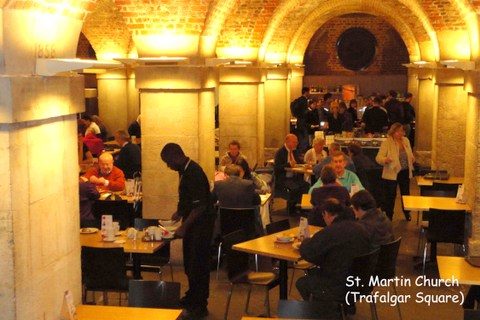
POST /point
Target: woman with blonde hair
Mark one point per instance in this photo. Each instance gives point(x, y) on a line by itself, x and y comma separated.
point(396, 157)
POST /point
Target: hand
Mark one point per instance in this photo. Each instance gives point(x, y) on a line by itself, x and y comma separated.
point(292, 163)
point(101, 181)
point(388, 160)
point(176, 216)
point(93, 179)
point(180, 232)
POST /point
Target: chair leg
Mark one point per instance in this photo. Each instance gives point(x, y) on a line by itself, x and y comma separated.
point(398, 304)
point(105, 298)
point(256, 262)
point(342, 311)
point(291, 282)
point(218, 257)
point(424, 257)
point(248, 298)
point(420, 240)
point(373, 310)
point(267, 300)
point(171, 269)
point(230, 292)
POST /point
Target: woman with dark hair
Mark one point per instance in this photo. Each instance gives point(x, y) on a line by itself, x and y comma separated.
point(396, 157)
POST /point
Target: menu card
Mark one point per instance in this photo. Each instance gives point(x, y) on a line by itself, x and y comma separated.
point(107, 223)
point(303, 230)
point(461, 196)
point(68, 308)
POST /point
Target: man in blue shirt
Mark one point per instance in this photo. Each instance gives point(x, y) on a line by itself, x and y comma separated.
point(345, 177)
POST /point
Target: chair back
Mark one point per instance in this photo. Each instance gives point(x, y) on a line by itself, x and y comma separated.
point(446, 226)
point(233, 219)
point(104, 269)
point(364, 267)
point(387, 259)
point(471, 314)
point(120, 210)
point(141, 224)
point(449, 189)
point(277, 226)
point(237, 261)
point(153, 294)
point(292, 309)
point(435, 191)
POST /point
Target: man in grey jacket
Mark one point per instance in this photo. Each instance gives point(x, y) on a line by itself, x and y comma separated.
point(235, 192)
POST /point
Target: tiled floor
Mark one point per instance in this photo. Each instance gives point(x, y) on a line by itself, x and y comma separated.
point(405, 268)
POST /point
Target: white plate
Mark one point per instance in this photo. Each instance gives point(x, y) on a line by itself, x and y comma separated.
point(284, 240)
point(105, 240)
point(88, 230)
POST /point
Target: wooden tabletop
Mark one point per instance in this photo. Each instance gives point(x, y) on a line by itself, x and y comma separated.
point(422, 203)
point(94, 312)
point(422, 182)
point(267, 246)
point(129, 246)
point(459, 269)
point(302, 170)
point(305, 204)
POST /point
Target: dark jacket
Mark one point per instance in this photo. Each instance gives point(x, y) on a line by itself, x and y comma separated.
point(362, 165)
point(333, 250)
point(235, 192)
point(375, 119)
point(281, 162)
point(129, 160)
point(378, 226)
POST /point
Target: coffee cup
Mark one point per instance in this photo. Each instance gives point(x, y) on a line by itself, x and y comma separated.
point(116, 227)
point(158, 234)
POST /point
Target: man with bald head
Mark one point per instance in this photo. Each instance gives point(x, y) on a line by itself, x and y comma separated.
point(106, 175)
point(287, 184)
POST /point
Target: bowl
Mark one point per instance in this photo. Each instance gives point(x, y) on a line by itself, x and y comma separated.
point(167, 223)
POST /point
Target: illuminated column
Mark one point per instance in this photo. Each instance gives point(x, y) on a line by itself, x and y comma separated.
point(413, 87)
point(450, 125)
point(39, 207)
point(277, 107)
point(472, 156)
point(426, 113)
point(117, 99)
point(296, 82)
point(241, 111)
point(177, 106)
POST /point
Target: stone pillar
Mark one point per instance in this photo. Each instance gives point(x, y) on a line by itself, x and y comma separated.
point(277, 107)
point(426, 110)
point(39, 219)
point(241, 111)
point(413, 87)
point(177, 106)
point(296, 82)
point(472, 156)
point(450, 125)
point(117, 99)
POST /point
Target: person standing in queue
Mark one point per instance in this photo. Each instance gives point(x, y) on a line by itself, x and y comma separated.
point(196, 211)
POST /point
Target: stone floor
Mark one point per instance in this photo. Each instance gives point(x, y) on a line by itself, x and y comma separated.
point(405, 268)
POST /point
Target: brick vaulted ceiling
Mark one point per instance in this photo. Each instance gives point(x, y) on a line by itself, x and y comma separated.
point(272, 30)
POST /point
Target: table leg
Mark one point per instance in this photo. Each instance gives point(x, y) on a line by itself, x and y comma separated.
point(283, 279)
point(137, 272)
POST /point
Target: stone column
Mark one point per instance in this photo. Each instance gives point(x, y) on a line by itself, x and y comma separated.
point(177, 106)
point(277, 107)
point(426, 111)
point(450, 125)
point(241, 111)
point(117, 99)
point(296, 82)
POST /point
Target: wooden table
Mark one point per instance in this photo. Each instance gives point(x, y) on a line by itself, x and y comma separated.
point(459, 269)
point(284, 252)
point(135, 247)
point(422, 182)
point(94, 312)
point(306, 204)
point(422, 203)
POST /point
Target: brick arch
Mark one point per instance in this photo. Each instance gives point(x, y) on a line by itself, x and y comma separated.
point(302, 37)
point(76, 9)
point(107, 32)
point(291, 18)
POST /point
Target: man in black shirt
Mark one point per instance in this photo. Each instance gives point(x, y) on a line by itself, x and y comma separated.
point(375, 118)
point(196, 211)
point(129, 158)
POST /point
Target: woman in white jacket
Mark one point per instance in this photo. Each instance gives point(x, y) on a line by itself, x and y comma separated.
point(396, 157)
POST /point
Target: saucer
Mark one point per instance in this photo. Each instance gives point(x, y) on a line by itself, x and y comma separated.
point(168, 238)
point(110, 240)
point(284, 240)
point(88, 230)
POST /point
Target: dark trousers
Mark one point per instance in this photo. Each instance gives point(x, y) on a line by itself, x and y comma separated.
point(294, 188)
point(390, 189)
point(472, 296)
point(196, 261)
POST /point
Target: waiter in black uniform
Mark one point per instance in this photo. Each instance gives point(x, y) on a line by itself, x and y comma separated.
point(196, 211)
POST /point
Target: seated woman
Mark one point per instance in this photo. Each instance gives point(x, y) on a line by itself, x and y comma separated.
point(234, 156)
point(94, 143)
point(316, 154)
point(329, 189)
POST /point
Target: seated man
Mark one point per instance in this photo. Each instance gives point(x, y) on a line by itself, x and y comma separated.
point(332, 148)
point(235, 192)
point(87, 196)
point(288, 184)
point(344, 176)
point(106, 176)
point(129, 158)
point(377, 224)
point(332, 250)
point(234, 156)
point(329, 189)
point(362, 163)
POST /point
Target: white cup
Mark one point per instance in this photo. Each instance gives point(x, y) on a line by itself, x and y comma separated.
point(110, 234)
point(158, 234)
point(129, 186)
point(134, 139)
point(116, 226)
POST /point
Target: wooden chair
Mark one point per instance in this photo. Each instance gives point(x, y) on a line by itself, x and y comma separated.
point(153, 294)
point(469, 314)
point(292, 309)
point(120, 210)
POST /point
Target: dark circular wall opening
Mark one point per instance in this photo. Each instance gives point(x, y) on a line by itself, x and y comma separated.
point(356, 48)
